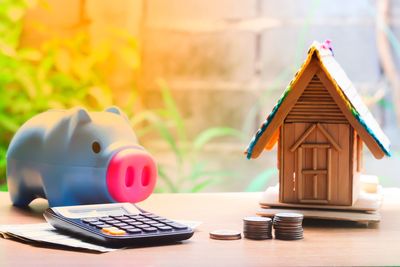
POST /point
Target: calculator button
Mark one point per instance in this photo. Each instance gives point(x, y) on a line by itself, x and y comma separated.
point(106, 219)
point(177, 226)
point(136, 216)
point(113, 221)
point(144, 220)
point(120, 217)
point(136, 223)
point(165, 220)
point(101, 226)
point(134, 231)
point(129, 220)
point(142, 226)
point(158, 224)
point(89, 220)
point(164, 228)
point(113, 231)
point(120, 224)
point(149, 215)
point(152, 222)
point(95, 223)
point(107, 229)
point(149, 229)
point(127, 227)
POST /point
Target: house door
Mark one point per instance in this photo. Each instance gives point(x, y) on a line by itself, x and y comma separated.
point(313, 172)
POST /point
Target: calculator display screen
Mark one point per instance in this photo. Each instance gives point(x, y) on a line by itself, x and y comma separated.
point(106, 211)
point(98, 210)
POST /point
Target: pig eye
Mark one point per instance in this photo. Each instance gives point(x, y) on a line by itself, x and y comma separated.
point(96, 147)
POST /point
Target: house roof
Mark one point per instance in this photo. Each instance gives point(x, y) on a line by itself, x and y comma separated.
point(364, 122)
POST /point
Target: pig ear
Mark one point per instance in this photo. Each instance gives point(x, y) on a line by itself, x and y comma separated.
point(118, 111)
point(78, 117)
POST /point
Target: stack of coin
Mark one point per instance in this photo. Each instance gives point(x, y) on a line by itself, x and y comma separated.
point(257, 228)
point(288, 226)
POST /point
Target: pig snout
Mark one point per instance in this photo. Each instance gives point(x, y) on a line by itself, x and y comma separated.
point(131, 175)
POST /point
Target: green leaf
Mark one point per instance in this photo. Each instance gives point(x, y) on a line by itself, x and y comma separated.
point(259, 183)
point(207, 135)
point(172, 109)
point(164, 177)
point(161, 128)
point(8, 123)
point(3, 187)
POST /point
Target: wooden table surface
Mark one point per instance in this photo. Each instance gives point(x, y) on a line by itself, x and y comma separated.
point(324, 243)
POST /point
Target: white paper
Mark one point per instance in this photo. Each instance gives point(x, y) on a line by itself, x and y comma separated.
point(45, 233)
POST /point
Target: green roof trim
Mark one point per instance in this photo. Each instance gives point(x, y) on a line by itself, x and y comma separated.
point(264, 126)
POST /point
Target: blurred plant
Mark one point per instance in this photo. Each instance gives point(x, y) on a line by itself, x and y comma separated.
point(66, 72)
point(260, 182)
point(61, 73)
point(191, 174)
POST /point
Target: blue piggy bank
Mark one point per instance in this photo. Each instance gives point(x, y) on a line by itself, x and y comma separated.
point(74, 157)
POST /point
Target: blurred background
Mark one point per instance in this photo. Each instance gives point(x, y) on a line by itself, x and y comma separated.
point(195, 77)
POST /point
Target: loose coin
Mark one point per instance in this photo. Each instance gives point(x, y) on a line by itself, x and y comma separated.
point(225, 235)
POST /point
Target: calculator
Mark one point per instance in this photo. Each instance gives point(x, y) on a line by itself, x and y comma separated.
point(116, 225)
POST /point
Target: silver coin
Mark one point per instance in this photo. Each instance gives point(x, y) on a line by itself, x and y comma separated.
point(289, 215)
point(256, 219)
point(225, 234)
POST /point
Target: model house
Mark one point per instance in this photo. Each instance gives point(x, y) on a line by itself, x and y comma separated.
point(320, 125)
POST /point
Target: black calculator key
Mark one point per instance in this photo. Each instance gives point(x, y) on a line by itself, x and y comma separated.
point(134, 231)
point(136, 223)
point(96, 223)
point(136, 216)
point(127, 227)
point(143, 226)
point(149, 229)
point(158, 224)
point(165, 220)
point(89, 220)
point(129, 220)
point(164, 228)
point(113, 221)
point(149, 215)
point(144, 220)
point(120, 224)
point(101, 226)
point(106, 219)
point(123, 217)
point(177, 226)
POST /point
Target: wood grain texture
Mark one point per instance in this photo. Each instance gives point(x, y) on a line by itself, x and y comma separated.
point(286, 106)
point(306, 110)
point(324, 243)
point(322, 171)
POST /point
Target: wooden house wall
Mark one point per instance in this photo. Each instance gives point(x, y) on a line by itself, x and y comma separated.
point(340, 180)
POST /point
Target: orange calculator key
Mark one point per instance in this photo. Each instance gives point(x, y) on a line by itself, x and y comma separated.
point(113, 231)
